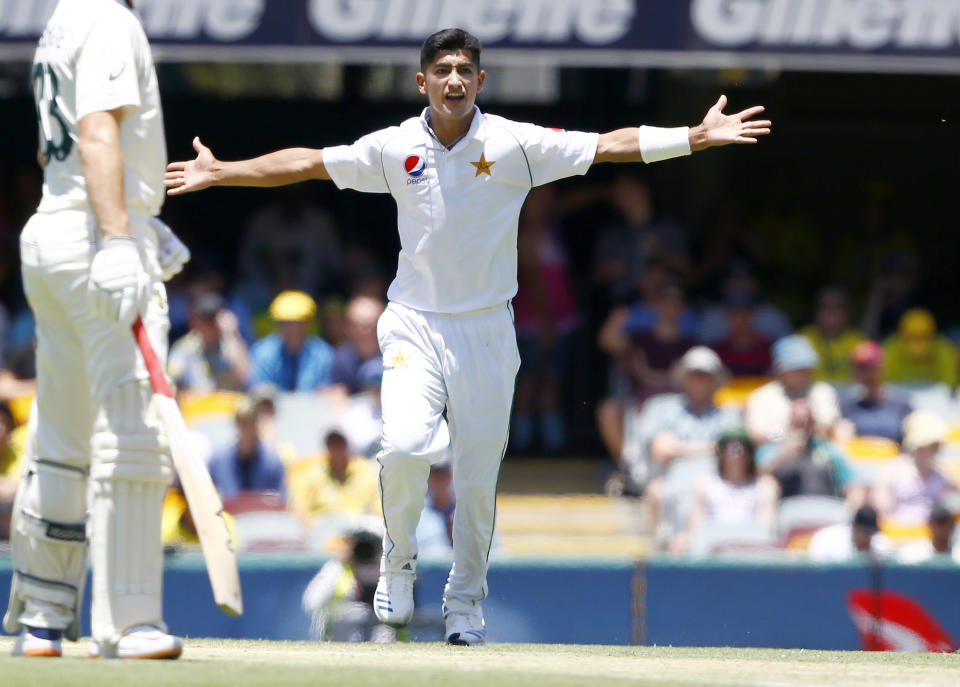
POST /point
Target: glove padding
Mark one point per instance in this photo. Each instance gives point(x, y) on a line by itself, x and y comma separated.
point(119, 287)
point(172, 254)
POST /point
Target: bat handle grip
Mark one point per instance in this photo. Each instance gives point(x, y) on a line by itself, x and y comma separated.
point(158, 380)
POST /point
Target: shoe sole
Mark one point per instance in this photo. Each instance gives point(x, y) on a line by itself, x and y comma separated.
point(168, 654)
point(455, 640)
point(395, 624)
point(41, 653)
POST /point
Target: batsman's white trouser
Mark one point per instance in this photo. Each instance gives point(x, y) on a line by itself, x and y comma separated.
point(465, 364)
point(94, 419)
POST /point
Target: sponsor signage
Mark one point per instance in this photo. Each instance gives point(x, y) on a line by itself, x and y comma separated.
point(828, 35)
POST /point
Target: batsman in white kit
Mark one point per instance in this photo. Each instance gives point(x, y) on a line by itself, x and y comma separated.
point(93, 259)
point(459, 178)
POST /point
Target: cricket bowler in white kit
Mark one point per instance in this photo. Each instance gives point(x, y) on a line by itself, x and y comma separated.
point(459, 178)
point(93, 258)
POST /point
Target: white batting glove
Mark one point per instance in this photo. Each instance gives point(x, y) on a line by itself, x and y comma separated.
point(172, 254)
point(119, 287)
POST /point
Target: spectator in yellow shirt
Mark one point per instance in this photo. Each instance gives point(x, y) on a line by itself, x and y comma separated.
point(832, 337)
point(12, 441)
point(337, 483)
point(916, 354)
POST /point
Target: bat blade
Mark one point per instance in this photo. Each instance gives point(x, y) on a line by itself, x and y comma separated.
point(202, 497)
point(206, 509)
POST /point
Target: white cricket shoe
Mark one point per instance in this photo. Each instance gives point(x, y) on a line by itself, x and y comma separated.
point(142, 641)
point(393, 600)
point(38, 642)
point(466, 628)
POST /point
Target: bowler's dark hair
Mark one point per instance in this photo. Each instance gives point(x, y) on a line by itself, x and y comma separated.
point(449, 40)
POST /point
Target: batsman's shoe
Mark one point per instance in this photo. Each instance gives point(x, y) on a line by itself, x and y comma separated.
point(143, 641)
point(393, 600)
point(38, 642)
point(466, 628)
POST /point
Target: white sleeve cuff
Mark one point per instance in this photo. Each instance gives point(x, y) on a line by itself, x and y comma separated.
point(658, 144)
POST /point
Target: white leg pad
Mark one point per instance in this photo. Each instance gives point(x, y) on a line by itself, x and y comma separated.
point(130, 471)
point(49, 545)
point(127, 557)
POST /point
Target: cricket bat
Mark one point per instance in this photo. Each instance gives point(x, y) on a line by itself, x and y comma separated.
point(202, 498)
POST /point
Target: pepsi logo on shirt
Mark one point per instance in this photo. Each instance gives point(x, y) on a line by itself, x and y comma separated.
point(415, 167)
point(414, 164)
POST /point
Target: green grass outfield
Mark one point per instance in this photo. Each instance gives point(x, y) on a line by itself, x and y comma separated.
point(237, 663)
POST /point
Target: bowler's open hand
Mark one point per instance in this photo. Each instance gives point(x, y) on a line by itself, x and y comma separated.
point(195, 175)
point(718, 129)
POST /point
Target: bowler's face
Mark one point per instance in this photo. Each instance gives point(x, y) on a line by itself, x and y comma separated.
point(451, 83)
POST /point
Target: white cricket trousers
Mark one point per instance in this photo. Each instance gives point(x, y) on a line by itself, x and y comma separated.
point(465, 364)
point(94, 418)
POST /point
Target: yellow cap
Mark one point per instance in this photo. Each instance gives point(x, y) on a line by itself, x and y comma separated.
point(918, 323)
point(918, 328)
point(292, 306)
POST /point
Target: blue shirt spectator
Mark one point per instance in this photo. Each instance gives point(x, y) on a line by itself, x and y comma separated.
point(249, 464)
point(234, 472)
point(307, 369)
point(873, 409)
point(358, 358)
point(291, 359)
point(642, 317)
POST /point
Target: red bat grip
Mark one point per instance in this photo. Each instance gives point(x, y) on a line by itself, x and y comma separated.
point(158, 380)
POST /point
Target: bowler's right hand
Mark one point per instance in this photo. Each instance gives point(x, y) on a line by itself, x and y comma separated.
point(118, 288)
point(194, 175)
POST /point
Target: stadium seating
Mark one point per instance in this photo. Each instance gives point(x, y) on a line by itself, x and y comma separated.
point(737, 389)
point(269, 530)
point(800, 516)
point(716, 539)
point(869, 454)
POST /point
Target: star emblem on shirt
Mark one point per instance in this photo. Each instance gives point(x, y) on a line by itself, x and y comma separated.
point(399, 360)
point(483, 167)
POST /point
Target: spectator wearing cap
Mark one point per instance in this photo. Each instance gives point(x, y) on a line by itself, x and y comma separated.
point(832, 337)
point(745, 351)
point(806, 463)
point(842, 542)
point(249, 464)
point(770, 407)
point(361, 351)
point(733, 497)
point(292, 359)
point(873, 409)
point(940, 543)
point(674, 440)
point(336, 483)
point(906, 490)
point(917, 354)
point(212, 356)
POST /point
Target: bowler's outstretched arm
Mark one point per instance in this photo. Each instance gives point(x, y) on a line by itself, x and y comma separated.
point(649, 144)
point(279, 168)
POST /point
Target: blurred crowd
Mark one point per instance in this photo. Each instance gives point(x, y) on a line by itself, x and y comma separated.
point(754, 386)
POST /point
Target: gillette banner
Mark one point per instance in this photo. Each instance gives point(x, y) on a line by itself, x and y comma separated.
point(817, 35)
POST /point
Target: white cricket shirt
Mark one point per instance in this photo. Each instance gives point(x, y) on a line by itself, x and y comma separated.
point(93, 56)
point(457, 209)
